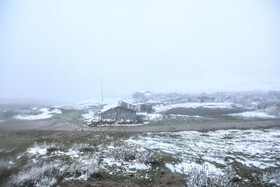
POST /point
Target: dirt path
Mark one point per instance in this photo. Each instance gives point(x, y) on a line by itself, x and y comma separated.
point(197, 127)
point(55, 125)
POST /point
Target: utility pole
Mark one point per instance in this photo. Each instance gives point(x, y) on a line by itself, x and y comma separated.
point(101, 84)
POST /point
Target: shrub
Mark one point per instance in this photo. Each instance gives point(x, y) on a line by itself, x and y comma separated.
point(40, 175)
point(205, 177)
point(127, 153)
point(272, 177)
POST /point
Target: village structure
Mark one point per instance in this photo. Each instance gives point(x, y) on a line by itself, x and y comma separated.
point(117, 113)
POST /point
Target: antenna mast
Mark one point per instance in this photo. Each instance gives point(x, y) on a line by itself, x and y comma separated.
point(101, 84)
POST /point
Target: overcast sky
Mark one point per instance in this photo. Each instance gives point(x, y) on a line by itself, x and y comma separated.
point(60, 50)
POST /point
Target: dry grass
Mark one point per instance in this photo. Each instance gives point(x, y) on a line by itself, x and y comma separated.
point(272, 176)
point(128, 153)
point(39, 175)
point(203, 177)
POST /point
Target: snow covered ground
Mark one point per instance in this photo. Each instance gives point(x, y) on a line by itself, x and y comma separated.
point(163, 108)
point(150, 116)
point(253, 114)
point(45, 113)
point(122, 125)
point(89, 116)
point(253, 148)
point(198, 155)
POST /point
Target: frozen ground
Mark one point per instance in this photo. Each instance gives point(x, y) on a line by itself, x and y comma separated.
point(163, 108)
point(147, 154)
point(154, 107)
point(254, 114)
point(253, 148)
point(44, 113)
point(89, 116)
point(251, 157)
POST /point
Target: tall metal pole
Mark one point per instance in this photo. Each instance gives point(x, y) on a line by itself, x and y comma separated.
point(101, 89)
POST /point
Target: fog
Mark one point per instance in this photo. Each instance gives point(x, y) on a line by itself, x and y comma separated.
point(60, 50)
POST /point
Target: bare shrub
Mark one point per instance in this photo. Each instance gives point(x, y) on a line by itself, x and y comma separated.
point(80, 170)
point(82, 147)
point(203, 177)
point(4, 165)
point(128, 153)
point(122, 153)
point(85, 167)
point(40, 175)
point(57, 166)
point(46, 181)
point(272, 177)
point(48, 173)
point(4, 170)
point(49, 147)
point(145, 157)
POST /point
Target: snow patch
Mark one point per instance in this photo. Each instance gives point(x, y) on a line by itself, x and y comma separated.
point(188, 167)
point(150, 116)
point(37, 150)
point(138, 166)
point(56, 111)
point(163, 108)
point(71, 153)
point(254, 148)
point(253, 114)
point(110, 106)
point(129, 167)
point(45, 114)
point(121, 125)
point(90, 116)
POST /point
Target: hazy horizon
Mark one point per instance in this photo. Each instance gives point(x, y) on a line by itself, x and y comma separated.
point(59, 50)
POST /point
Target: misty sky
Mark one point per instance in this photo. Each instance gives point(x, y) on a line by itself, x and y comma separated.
point(59, 50)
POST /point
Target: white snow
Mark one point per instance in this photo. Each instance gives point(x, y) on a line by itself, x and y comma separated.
point(127, 166)
point(258, 148)
point(37, 150)
point(171, 167)
point(253, 114)
point(163, 108)
point(257, 164)
point(187, 167)
point(56, 111)
point(71, 153)
point(185, 116)
point(89, 116)
point(122, 125)
point(195, 152)
point(82, 177)
point(272, 177)
point(150, 116)
point(112, 162)
point(138, 166)
point(109, 106)
point(118, 104)
point(45, 114)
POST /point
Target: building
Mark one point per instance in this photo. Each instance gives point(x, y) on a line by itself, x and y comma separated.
point(141, 95)
point(119, 113)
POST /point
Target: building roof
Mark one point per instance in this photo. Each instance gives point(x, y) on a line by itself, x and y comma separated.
point(119, 104)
